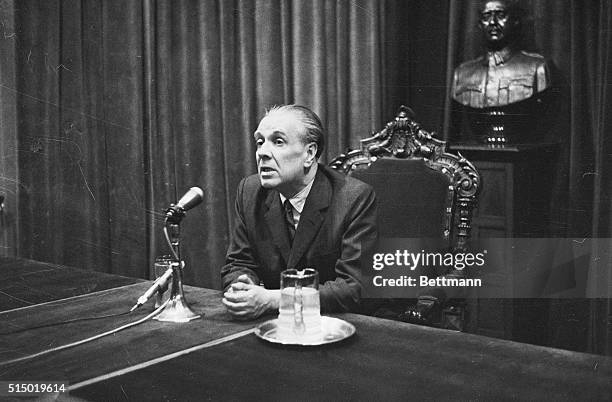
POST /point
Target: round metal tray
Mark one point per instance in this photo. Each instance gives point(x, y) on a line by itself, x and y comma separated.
point(334, 330)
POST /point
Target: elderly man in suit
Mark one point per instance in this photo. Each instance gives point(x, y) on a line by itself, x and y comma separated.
point(296, 213)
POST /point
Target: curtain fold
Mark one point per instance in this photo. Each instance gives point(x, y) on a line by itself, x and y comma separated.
point(40, 144)
point(122, 63)
point(9, 180)
point(599, 57)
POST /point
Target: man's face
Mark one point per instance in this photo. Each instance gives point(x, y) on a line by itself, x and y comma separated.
point(282, 157)
point(496, 23)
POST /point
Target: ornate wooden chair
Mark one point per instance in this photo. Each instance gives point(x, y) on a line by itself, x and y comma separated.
point(423, 192)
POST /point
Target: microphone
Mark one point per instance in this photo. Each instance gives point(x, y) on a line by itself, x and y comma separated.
point(160, 284)
point(192, 198)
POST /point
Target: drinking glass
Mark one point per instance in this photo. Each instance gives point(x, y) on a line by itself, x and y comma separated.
point(162, 263)
point(299, 315)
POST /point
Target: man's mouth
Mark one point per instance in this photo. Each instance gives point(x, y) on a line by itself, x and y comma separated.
point(266, 169)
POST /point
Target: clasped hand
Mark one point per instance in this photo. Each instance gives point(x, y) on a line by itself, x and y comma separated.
point(246, 301)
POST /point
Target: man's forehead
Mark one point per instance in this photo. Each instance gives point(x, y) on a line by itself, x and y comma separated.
point(284, 121)
point(494, 6)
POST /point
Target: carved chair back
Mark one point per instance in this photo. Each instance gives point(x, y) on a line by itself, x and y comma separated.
point(422, 190)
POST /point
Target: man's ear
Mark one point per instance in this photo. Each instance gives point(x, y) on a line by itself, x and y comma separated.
point(311, 154)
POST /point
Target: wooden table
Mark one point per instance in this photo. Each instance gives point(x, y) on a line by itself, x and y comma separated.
point(219, 359)
point(27, 283)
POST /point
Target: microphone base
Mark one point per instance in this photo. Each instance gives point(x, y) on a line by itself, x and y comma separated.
point(177, 310)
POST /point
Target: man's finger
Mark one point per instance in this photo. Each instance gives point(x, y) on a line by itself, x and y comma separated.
point(233, 306)
point(244, 278)
point(241, 316)
point(241, 286)
point(235, 297)
point(239, 313)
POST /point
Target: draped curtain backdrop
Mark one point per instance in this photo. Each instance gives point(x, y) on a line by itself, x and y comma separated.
point(112, 110)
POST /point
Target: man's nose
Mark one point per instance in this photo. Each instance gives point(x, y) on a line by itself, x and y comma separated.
point(263, 150)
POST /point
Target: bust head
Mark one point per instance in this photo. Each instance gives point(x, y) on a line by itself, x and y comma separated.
point(500, 22)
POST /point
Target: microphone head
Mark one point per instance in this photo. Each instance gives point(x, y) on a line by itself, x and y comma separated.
point(193, 197)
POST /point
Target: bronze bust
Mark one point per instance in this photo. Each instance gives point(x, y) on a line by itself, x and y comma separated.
point(495, 87)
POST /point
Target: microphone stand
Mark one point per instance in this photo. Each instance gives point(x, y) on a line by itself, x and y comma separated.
point(177, 309)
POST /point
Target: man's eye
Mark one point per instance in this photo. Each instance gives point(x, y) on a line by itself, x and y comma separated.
point(259, 142)
point(279, 141)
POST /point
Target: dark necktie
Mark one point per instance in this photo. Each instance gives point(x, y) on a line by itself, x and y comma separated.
point(289, 219)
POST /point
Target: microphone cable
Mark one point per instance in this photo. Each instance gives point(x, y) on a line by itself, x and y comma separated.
point(93, 338)
point(53, 324)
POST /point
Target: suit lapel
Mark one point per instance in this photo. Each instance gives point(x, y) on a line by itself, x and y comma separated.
point(311, 218)
point(276, 223)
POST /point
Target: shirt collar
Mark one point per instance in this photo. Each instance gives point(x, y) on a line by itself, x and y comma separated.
point(299, 199)
point(499, 57)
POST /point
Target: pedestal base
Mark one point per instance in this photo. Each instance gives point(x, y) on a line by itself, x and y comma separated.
point(177, 310)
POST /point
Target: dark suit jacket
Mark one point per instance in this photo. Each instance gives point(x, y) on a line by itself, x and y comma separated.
point(337, 225)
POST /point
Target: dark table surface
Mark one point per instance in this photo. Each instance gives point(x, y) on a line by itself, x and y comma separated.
point(215, 358)
point(26, 283)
